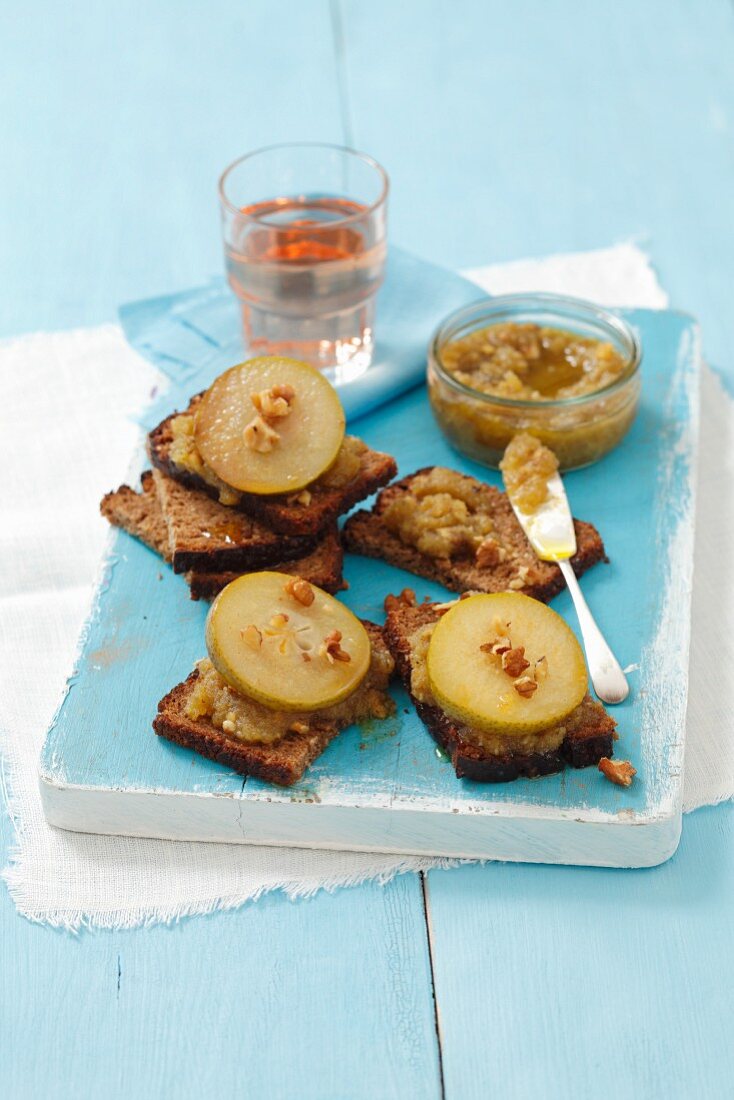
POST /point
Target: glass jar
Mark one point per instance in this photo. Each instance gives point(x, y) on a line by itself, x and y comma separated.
point(580, 429)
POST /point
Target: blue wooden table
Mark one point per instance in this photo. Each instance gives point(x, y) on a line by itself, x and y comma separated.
point(508, 130)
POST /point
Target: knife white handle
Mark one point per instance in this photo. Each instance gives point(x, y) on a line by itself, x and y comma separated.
point(610, 683)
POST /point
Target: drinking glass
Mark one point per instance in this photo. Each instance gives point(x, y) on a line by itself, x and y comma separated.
point(304, 229)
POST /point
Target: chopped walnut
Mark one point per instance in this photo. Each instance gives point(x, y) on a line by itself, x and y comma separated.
point(303, 498)
point(300, 590)
point(525, 686)
point(489, 553)
point(540, 672)
point(514, 661)
point(299, 727)
point(251, 636)
point(617, 771)
point(274, 403)
point(521, 580)
point(278, 621)
point(331, 649)
point(259, 436)
point(498, 646)
point(407, 596)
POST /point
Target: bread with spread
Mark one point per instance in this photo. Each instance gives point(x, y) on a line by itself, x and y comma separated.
point(451, 528)
point(288, 668)
point(500, 683)
point(267, 439)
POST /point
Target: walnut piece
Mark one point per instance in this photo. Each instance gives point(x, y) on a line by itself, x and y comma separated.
point(521, 580)
point(259, 436)
point(407, 596)
point(514, 661)
point(274, 403)
point(489, 553)
point(331, 649)
point(498, 646)
point(540, 671)
point(299, 727)
point(526, 686)
point(620, 772)
point(301, 591)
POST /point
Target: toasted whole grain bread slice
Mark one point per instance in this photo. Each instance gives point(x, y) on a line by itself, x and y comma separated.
point(366, 533)
point(322, 567)
point(283, 762)
point(283, 512)
point(140, 515)
point(204, 535)
point(589, 729)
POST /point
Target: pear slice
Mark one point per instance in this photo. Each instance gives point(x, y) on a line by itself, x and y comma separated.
point(258, 442)
point(289, 645)
point(470, 683)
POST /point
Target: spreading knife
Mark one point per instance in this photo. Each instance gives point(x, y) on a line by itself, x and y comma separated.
point(551, 534)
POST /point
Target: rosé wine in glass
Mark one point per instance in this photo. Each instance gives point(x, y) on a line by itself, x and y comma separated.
point(306, 264)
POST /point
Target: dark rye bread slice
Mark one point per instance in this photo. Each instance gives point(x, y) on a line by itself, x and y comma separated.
point(366, 533)
point(204, 535)
point(589, 729)
point(140, 515)
point(283, 762)
point(282, 513)
point(322, 567)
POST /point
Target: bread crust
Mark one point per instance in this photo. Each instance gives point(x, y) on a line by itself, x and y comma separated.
point(139, 514)
point(204, 535)
point(590, 737)
point(282, 763)
point(322, 567)
point(366, 533)
point(278, 511)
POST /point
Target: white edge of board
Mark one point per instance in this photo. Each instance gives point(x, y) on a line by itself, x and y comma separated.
point(621, 840)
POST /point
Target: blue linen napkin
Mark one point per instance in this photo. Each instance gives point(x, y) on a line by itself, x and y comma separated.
point(194, 335)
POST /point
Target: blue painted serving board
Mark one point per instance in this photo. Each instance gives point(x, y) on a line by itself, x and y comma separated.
point(383, 786)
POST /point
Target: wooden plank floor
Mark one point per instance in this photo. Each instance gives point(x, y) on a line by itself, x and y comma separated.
point(509, 130)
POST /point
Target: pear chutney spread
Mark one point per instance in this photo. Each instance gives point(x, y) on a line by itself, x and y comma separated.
point(532, 361)
point(562, 370)
point(527, 467)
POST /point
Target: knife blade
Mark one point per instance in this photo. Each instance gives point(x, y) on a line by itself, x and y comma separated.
point(550, 531)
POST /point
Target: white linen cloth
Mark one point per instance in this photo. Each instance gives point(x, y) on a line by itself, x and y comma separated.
point(67, 424)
